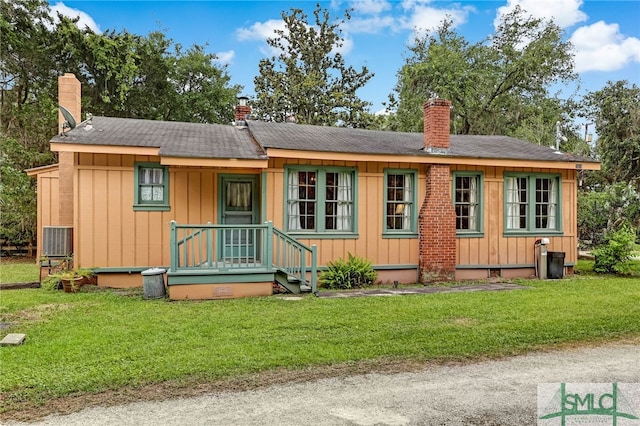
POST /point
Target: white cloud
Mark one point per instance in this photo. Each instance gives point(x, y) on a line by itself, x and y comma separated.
point(369, 25)
point(601, 47)
point(423, 18)
point(370, 7)
point(564, 13)
point(226, 58)
point(260, 30)
point(84, 21)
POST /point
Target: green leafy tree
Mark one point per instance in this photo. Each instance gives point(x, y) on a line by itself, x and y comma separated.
point(615, 110)
point(126, 75)
point(610, 199)
point(122, 75)
point(309, 79)
point(496, 86)
point(201, 89)
point(17, 195)
point(152, 83)
point(27, 112)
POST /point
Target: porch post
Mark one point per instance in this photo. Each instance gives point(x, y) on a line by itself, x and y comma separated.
point(172, 246)
point(314, 270)
point(268, 247)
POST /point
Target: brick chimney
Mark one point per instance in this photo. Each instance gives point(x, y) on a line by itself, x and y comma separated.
point(242, 110)
point(68, 97)
point(437, 119)
point(437, 218)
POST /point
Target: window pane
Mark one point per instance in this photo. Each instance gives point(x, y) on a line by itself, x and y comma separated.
point(517, 202)
point(239, 196)
point(146, 193)
point(306, 198)
point(545, 204)
point(331, 206)
point(399, 201)
point(467, 203)
point(158, 193)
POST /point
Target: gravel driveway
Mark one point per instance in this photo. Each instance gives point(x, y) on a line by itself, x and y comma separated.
point(498, 392)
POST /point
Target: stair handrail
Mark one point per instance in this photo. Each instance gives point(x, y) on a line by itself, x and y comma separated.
point(297, 270)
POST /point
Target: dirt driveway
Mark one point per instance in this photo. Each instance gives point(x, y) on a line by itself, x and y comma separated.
point(494, 392)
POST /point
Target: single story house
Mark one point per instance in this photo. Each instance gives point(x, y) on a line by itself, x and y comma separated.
point(228, 209)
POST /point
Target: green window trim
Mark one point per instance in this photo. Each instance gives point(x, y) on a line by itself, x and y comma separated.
point(474, 200)
point(540, 213)
point(155, 188)
point(404, 190)
point(323, 199)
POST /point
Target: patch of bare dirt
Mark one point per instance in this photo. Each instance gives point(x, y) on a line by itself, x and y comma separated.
point(35, 314)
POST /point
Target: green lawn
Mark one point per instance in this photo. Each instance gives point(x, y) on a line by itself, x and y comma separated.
point(98, 340)
point(18, 272)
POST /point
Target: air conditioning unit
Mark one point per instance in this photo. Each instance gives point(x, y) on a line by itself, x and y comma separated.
point(57, 241)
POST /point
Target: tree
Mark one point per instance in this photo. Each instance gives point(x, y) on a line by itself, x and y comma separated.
point(615, 110)
point(201, 90)
point(309, 78)
point(127, 75)
point(122, 75)
point(614, 191)
point(496, 86)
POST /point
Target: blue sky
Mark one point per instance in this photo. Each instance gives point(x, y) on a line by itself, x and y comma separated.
point(605, 34)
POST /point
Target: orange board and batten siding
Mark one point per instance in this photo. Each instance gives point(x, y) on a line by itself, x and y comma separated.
point(110, 234)
point(494, 250)
point(47, 200)
point(370, 242)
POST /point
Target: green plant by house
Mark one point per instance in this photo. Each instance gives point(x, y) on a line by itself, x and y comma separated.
point(615, 255)
point(50, 282)
point(74, 278)
point(355, 272)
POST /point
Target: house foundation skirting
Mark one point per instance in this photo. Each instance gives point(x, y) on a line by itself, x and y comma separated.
point(220, 291)
point(479, 272)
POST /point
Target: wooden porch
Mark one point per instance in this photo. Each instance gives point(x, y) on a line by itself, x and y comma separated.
point(227, 261)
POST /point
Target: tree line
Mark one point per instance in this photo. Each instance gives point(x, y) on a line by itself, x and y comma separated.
point(500, 85)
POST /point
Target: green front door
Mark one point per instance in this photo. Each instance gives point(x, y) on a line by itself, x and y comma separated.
point(239, 206)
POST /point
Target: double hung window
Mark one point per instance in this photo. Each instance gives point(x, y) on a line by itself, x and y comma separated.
point(467, 201)
point(531, 203)
point(151, 187)
point(400, 202)
point(320, 200)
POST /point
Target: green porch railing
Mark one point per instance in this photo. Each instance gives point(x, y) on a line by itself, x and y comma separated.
point(213, 248)
point(294, 258)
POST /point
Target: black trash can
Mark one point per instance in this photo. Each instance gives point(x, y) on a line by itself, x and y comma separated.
point(555, 264)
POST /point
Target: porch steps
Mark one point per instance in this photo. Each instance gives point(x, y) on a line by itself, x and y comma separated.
point(291, 283)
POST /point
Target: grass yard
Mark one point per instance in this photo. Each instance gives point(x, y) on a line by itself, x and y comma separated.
point(94, 341)
point(17, 270)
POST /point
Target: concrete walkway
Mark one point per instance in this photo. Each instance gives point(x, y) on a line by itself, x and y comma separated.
point(497, 286)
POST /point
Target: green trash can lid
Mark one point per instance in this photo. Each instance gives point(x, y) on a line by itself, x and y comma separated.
point(153, 271)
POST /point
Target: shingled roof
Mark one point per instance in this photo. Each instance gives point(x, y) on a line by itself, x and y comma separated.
point(174, 139)
point(359, 141)
point(194, 140)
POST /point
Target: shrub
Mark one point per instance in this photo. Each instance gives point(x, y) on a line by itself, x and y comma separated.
point(614, 257)
point(355, 272)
